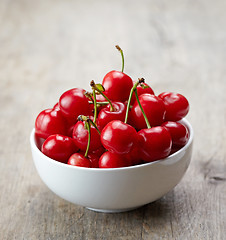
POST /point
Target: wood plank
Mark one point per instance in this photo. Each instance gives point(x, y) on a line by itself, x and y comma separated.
point(47, 47)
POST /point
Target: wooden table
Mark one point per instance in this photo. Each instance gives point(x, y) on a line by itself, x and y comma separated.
point(48, 46)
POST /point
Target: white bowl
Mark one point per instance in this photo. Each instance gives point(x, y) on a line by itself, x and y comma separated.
point(113, 189)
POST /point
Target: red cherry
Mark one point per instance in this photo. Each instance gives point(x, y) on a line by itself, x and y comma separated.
point(99, 151)
point(174, 149)
point(100, 98)
point(70, 125)
point(134, 156)
point(80, 136)
point(113, 160)
point(141, 90)
point(39, 141)
point(56, 106)
point(94, 160)
point(176, 105)
point(77, 159)
point(59, 147)
point(74, 103)
point(117, 86)
point(154, 109)
point(106, 115)
point(156, 143)
point(179, 133)
point(50, 121)
point(70, 130)
point(118, 137)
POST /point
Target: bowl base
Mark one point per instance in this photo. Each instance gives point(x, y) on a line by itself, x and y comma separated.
point(112, 210)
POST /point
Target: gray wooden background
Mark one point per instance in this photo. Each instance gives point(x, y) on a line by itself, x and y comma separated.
point(49, 46)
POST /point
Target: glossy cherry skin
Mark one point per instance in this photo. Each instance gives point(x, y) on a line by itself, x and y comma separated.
point(113, 160)
point(80, 136)
point(74, 103)
point(70, 125)
point(99, 99)
point(94, 160)
point(179, 133)
point(118, 137)
point(141, 90)
point(39, 141)
point(56, 106)
point(59, 147)
point(156, 143)
point(106, 115)
point(98, 151)
point(177, 106)
point(134, 156)
point(50, 121)
point(117, 86)
point(77, 159)
point(70, 130)
point(154, 109)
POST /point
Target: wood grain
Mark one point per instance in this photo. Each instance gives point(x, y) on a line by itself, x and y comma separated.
point(47, 47)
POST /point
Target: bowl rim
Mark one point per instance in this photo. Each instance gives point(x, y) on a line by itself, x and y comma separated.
point(36, 149)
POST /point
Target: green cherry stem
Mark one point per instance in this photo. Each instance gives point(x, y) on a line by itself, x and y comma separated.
point(95, 106)
point(89, 139)
point(120, 50)
point(88, 121)
point(130, 97)
point(94, 124)
point(134, 90)
point(142, 110)
point(87, 126)
point(95, 88)
point(89, 96)
point(99, 103)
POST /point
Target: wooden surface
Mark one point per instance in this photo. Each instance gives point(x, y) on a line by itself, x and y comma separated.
point(49, 46)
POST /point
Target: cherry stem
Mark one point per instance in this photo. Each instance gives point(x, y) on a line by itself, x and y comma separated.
point(99, 103)
point(93, 85)
point(94, 124)
point(87, 124)
point(88, 121)
point(120, 50)
point(89, 96)
point(142, 110)
point(95, 106)
point(89, 139)
point(134, 90)
point(130, 98)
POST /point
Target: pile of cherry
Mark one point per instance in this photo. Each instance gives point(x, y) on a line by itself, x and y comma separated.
point(119, 123)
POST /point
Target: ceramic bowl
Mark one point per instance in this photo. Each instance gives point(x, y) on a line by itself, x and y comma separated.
point(113, 189)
